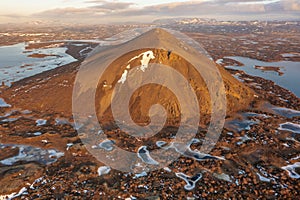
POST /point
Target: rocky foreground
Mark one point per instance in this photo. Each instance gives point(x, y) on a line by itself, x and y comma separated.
point(42, 156)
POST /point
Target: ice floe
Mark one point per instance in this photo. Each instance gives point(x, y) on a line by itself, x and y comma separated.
point(85, 51)
point(288, 126)
point(161, 143)
point(3, 104)
point(240, 125)
point(286, 112)
point(31, 154)
point(26, 112)
point(195, 154)
point(103, 170)
point(291, 170)
point(8, 113)
point(262, 178)
point(252, 114)
point(144, 155)
point(190, 180)
point(186, 150)
point(238, 77)
point(41, 122)
point(139, 175)
point(35, 134)
point(10, 119)
point(107, 145)
point(289, 55)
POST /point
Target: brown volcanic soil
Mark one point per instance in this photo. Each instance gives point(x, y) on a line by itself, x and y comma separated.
point(74, 176)
point(270, 68)
point(38, 55)
point(238, 96)
point(48, 92)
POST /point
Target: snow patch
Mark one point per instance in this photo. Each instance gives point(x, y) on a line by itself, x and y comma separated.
point(144, 155)
point(243, 139)
point(146, 57)
point(41, 122)
point(290, 55)
point(123, 77)
point(186, 150)
point(11, 119)
point(3, 104)
point(103, 170)
point(286, 112)
point(161, 143)
point(35, 134)
point(190, 181)
point(288, 126)
point(32, 154)
point(13, 195)
point(291, 170)
point(107, 145)
point(167, 169)
point(262, 178)
point(140, 175)
point(219, 61)
point(69, 145)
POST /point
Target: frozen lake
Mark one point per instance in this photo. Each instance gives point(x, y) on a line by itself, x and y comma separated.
point(290, 79)
point(16, 65)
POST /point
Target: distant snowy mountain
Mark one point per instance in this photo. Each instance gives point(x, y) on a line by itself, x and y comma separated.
point(184, 21)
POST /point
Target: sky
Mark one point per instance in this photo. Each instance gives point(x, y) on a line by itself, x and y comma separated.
point(108, 11)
